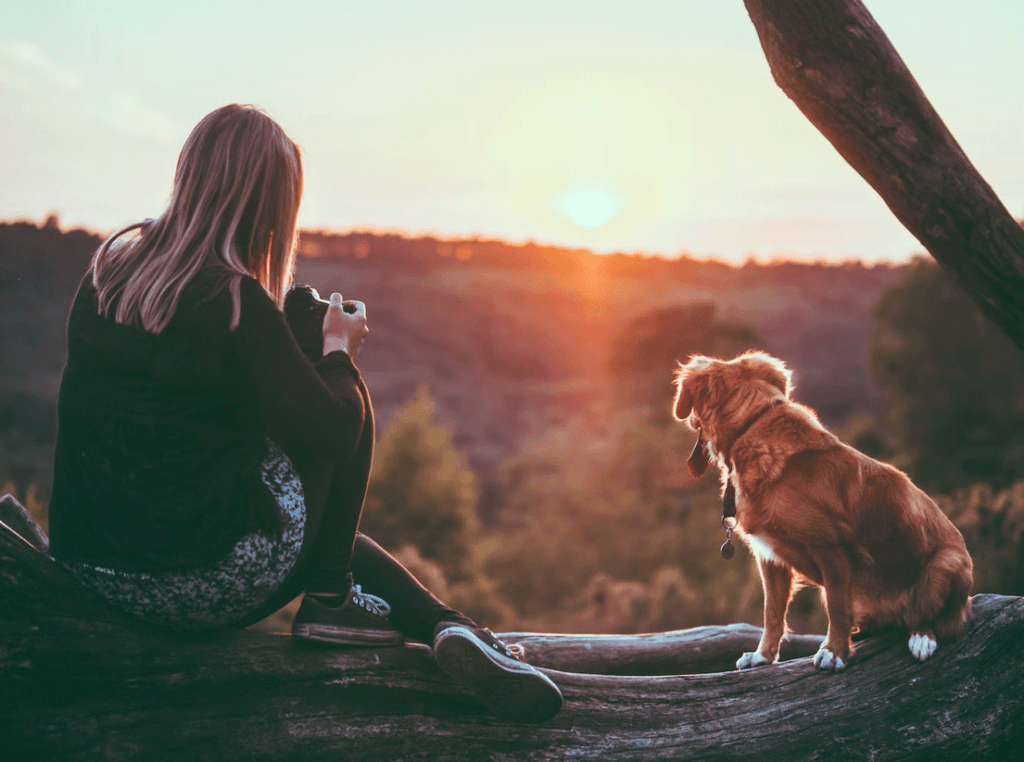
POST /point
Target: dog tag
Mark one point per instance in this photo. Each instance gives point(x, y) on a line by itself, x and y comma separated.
point(728, 550)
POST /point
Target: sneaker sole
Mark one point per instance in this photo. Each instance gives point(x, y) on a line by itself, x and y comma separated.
point(509, 688)
point(347, 636)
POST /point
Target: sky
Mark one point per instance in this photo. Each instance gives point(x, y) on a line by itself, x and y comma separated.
point(640, 126)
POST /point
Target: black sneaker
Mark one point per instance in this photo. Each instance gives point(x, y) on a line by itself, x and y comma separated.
point(508, 686)
point(362, 620)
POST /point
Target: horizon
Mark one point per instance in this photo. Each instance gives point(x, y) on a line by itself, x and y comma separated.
point(645, 127)
point(779, 260)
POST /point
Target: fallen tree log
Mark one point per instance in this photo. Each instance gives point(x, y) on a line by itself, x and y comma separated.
point(79, 681)
point(837, 65)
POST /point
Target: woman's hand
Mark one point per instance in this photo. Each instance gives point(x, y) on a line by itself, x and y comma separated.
point(344, 326)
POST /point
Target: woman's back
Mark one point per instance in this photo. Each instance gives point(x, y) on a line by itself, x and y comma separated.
point(159, 436)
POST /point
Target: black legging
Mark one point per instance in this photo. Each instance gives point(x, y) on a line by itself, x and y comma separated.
point(334, 552)
point(415, 611)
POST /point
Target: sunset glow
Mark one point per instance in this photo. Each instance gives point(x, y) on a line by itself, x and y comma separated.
point(649, 126)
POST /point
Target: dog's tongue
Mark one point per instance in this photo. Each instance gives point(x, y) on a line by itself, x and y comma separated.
point(699, 461)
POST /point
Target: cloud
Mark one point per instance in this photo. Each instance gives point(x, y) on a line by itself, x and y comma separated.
point(30, 56)
point(125, 114)
point(23, 65)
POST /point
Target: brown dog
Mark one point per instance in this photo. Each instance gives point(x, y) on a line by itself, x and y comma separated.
point(816, 511)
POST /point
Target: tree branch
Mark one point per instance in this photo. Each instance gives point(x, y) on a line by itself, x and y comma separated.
point(834, 61)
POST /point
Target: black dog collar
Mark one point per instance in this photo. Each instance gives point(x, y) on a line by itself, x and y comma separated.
point(728, 519)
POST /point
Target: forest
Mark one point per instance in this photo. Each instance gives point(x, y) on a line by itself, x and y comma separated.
point(527, 466)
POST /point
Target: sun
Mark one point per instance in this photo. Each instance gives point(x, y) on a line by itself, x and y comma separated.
point(589, 205)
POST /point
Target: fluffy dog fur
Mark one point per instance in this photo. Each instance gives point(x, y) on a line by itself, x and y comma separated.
point(816, 511)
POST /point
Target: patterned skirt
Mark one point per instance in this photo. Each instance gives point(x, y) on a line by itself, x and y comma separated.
point(220, 593)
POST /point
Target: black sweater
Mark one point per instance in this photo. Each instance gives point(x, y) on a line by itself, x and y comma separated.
point(160, 437)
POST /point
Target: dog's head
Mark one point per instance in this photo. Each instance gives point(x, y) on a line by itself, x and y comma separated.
point(715, 397)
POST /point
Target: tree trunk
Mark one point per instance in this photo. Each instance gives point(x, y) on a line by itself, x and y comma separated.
point(79, 681)
point(834, 61)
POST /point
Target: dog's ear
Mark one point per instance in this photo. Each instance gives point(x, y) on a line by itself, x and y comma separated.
point(684, 401)
point(770, 369)
point(688, 382)
point(699, 461)
point(691, 383)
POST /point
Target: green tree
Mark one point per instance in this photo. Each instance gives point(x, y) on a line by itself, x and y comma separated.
point(992, 524)
point(955, 383)
point(421, 491)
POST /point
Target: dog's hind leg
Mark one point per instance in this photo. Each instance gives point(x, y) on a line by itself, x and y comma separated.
point(777, 580)
point(940, 598)
point(922, 643)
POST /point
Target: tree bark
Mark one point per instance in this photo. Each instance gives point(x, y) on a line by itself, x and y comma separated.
point(79, 681)
point(834, 61)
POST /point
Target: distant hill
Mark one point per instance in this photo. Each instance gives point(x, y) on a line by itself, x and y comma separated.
point(509, 339)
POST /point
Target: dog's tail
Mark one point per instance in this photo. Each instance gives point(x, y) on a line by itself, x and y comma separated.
point(943, 593)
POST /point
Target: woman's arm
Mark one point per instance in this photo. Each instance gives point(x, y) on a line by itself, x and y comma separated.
point(312, 412)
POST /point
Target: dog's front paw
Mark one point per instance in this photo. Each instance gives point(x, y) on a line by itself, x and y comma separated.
point(922, 646)
point(753, 659)
point(827, 660)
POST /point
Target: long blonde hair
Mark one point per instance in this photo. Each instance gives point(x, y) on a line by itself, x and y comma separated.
point(236, 195)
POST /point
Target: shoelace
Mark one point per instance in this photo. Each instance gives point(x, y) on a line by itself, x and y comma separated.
point(372, 603)
point(516, 650)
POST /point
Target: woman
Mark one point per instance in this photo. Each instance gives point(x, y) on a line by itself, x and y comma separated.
point(206, 471)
